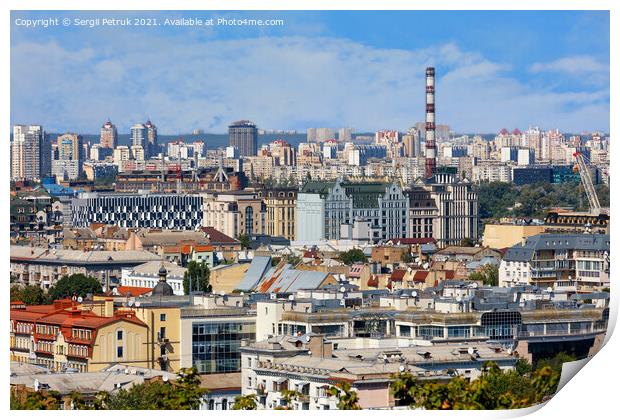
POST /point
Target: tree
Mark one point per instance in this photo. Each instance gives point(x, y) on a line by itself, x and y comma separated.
point(245, 402)
point(30, 295)
point(488, 274)
point(555, 362)
point(288, 396)
point(184, 394)
point(467, 242)
point(40, 400)
point(353, 256)
point(407, 258)
point(199, 274)
point(494, 389)
point(75, 284)
point(244, 240)
point(293, 260)
point(347, 397)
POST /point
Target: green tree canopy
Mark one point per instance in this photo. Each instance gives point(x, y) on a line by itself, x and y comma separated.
point(494, 389)
point(488, 274)
point(245, 402)
point(347, 397)
point(30, 295)
point(75, 284)
point(183, 394)
point(199, 273)
point(353, 256)
point(244, 240)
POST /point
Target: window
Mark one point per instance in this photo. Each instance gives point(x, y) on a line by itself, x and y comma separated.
point(162, 317)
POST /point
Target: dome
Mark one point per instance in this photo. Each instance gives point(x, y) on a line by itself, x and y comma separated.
point(162, 271)
point(503, 132)
point(162, 288)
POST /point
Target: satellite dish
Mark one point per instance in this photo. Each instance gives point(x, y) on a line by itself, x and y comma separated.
point(131, 302)
point(309, 352)
point(425, 266)
point(115, 290)
point(291, 297)
point(241, 293)
point(414, 294)
point(471, 351)
point(307, 339)
point(343, 289)
point(79, 299)
point(549, 289)
point(474, 285)
point(137, 304)
point(459, 299)
point(401, 368)
point(165, 378)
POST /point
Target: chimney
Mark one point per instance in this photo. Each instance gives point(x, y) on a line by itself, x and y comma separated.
point(319, 347)
point(431, 148)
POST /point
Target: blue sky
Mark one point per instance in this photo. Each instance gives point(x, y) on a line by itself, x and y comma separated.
point(362, 69)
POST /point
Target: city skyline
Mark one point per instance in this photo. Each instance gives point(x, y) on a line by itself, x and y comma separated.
point(325, 69)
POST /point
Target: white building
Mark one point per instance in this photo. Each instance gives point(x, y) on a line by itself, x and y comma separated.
point(147, 275)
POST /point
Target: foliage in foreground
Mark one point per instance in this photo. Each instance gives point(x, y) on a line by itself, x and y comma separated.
point(183, 394)
point(495, 389)
point(347, 398)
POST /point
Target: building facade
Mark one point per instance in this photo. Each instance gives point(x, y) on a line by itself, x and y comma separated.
point(280, 206)
point(169, 211)
point(26, 151)
point(324, 209)
point(109, 135)
point(450, 207)
point(244, 136)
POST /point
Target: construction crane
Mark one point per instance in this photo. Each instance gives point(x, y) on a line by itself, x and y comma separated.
point(586, 180)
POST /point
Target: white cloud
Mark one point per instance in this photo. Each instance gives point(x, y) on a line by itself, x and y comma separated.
point(285, 82)
point(576, 65)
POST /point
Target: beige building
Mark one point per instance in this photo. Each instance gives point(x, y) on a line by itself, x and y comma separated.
point(280, 211)
point(234, 214)
point(500, 236)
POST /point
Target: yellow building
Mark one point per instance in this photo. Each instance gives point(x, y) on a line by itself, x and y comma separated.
point(500, 236)
point(281, 203)
point(63, 335)
point(163, 343)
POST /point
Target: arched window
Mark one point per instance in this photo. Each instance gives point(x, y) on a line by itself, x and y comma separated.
point(211, 405)
point(225, 401)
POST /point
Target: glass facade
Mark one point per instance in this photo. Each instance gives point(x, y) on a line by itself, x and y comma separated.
point(215, 345)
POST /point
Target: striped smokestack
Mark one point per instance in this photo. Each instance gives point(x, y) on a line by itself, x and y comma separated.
point(431, 148)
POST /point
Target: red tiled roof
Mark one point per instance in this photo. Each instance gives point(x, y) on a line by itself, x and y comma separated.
point(420, 275)
point(203, 248)
point(398, 275)
point(134, 291)
point(217, 237)
point(373, 281)
point(449, 274)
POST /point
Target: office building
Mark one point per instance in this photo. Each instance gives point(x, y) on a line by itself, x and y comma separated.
point(244, 136)
point(525, 157)
point(169, 211)
point(324, 208)
point(446, 208)
point(152, 145)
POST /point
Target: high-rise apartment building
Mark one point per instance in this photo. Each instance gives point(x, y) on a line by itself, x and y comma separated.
point(28, 146)
point(244, 136)
point(152, 147)
point(109, 135)
point(68, 155)
point(345, 134)
point(139, 135)
point(411, 142)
